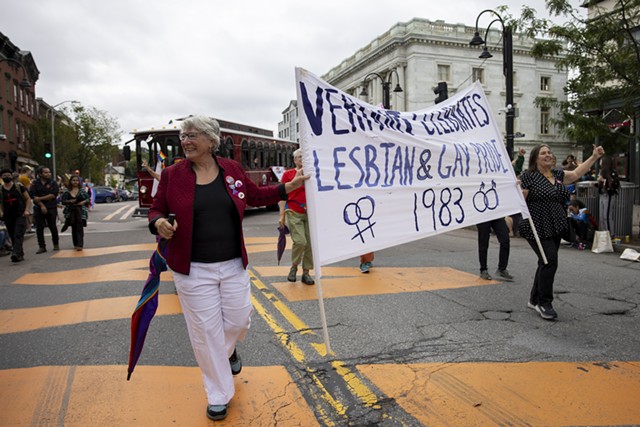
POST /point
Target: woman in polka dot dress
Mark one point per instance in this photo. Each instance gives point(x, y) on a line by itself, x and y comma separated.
point(544, 190)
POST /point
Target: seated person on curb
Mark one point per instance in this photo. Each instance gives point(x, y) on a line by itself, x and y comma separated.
point(580, 223)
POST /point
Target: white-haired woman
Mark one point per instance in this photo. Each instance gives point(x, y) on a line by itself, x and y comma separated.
point(206, 251)
point(295, 210)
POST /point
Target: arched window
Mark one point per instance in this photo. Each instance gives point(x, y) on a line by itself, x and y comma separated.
point(172, 147)
point(253, 159)
point(290, 157)
point(222, 150)
point(279, 159)
point(245, 154)
point(259, 155)
point(272, 155)
point(229, 148)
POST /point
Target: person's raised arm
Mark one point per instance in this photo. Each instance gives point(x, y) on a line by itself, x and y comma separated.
point(572, 176)
point(153, 173)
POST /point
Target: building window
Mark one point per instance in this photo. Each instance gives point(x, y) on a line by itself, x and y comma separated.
point(17, 135)
point(7, 88)
point(444, 73)
point(545, 84)
point(545, 115)
point(245, 154)
point(15, 94)
point(478, 74)
point(10, 126)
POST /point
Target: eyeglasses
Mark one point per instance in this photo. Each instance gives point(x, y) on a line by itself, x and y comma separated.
point(189, 136)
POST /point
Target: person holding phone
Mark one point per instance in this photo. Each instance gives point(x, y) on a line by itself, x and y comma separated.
point(206, 251)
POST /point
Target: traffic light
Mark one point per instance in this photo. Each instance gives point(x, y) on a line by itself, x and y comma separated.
point(47, 150)
point(441, 91)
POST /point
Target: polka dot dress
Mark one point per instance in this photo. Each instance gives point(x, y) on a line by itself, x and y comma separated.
point(546, 202)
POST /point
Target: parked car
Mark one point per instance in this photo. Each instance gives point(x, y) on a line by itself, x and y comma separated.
point(116, 193)
point(125, 195)
point(104, 195)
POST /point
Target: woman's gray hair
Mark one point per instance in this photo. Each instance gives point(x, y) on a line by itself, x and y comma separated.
point(207, 125)
point(297, 153)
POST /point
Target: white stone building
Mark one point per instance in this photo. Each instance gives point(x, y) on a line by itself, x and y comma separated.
point(289, 127)
point(114, 174)
point(420, 53)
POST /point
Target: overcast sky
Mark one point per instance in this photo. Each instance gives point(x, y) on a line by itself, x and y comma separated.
point(146, 62)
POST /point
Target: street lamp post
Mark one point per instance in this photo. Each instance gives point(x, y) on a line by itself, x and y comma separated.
point(386, 86)
point(53, 137)
point(507, 66)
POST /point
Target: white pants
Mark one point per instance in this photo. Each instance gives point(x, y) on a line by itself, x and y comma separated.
point(216, 302)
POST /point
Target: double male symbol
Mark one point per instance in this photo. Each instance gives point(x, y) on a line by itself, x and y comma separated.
point(484, 200)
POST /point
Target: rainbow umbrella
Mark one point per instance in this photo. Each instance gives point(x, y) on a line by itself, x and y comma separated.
point(147, 305)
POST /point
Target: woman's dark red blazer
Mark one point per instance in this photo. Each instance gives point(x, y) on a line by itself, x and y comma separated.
point(176, 192)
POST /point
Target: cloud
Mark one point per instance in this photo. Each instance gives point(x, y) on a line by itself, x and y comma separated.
point(146, 62)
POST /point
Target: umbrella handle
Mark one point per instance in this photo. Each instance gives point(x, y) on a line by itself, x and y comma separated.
point(171, 218)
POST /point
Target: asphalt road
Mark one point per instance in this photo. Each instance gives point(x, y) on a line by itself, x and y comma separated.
point(421, 340)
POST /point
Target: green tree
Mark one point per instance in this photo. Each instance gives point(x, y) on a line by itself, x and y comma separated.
point(96, 143)
point(602, 56)
point(85, 140)
point(66, 141)
point(41, 134)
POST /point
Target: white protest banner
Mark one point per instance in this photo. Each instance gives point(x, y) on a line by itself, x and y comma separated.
point(380, 178)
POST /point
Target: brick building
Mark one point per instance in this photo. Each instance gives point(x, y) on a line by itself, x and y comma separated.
point(18, 77)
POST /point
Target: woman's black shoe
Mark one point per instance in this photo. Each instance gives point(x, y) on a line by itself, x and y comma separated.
point(236, 363)
point(216, 412)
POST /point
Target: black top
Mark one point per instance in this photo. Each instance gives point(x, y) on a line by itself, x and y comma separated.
point(38, 189)
point(546, 202)
point(216, 224)
point(13, 203)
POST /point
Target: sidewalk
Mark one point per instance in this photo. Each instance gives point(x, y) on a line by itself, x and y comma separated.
point(634, 238)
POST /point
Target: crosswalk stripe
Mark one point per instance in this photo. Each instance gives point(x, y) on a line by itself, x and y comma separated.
point(28, 319)
point(531, 393)
point(348, 281)
point(128, 213)
point(113, 214)
point(155, 396)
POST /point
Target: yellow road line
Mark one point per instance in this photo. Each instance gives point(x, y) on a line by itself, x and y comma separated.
point(294, 320)
point(359, 389)
point(282, 335)
point(299, 356)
